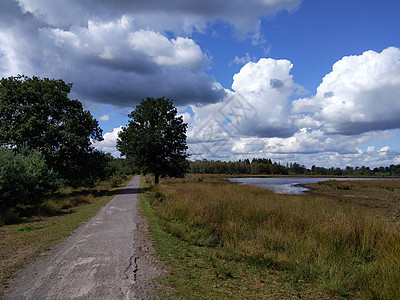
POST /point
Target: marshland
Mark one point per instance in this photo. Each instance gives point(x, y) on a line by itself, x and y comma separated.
point(225, 240)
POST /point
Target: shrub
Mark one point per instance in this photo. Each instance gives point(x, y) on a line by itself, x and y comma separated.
point(116, 181)
point(65, 204)
point(24, 178)
point(80, 200)
point(49, 208)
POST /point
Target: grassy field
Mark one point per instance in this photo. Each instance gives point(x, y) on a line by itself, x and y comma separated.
point(222, 240)
point(22, 242)
point(379, 196)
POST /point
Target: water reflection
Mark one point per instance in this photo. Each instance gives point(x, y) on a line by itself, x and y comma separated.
point(290, 185)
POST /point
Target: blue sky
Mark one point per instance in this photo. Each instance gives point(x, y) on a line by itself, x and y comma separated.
point(316, 82)
point(313, 38)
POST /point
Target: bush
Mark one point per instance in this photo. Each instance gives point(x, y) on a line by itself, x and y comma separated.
point(49, 208)
point(24, 178)
point(116, 181)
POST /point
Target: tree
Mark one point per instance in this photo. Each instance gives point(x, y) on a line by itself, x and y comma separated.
point(155, 139)
point(37, 113)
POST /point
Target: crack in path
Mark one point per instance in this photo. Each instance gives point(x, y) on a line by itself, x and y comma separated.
point(132, 265)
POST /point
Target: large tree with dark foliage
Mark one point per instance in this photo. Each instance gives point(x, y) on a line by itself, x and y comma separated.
point(37, 113)
point(155, 139)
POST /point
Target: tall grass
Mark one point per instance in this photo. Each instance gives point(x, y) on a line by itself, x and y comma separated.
point(340, 248)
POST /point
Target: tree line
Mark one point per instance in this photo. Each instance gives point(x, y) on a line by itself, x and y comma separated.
point(263, 166)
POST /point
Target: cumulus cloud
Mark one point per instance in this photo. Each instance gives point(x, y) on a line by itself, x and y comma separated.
point(258, 108)
point(123, 66)
point(266, 85)
point(307, 130)
point(109, 142)
point(361, 94)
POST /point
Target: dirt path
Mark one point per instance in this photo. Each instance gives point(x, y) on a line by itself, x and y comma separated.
point(108, 257)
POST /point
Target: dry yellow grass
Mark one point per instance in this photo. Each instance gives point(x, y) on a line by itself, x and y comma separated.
point(337, 247)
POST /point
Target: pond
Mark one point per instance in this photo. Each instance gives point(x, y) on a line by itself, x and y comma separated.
point(290, 185)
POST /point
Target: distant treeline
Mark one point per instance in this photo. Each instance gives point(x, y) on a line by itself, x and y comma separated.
point(263, 166)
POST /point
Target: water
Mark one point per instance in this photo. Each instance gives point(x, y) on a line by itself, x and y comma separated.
point(290, 185)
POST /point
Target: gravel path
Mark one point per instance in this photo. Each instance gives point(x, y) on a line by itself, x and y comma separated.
point(108, 257)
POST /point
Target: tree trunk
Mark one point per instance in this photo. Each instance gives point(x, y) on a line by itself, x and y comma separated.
point(156, 178)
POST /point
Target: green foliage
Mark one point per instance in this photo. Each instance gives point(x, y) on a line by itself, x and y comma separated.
point(37, 113)
point(121, 166)
point(257, 166)
point(155, 139)
point(91, 168)
point(24, 178)
point(31, 227)
point(116, 180)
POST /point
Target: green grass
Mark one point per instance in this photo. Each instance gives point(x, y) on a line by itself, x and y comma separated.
point(223, 240)
point(21, 243)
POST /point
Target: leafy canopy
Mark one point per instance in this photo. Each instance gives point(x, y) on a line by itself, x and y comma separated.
point(38, 113)
point(155, 139)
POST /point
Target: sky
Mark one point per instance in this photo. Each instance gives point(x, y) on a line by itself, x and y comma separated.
point(307, 81)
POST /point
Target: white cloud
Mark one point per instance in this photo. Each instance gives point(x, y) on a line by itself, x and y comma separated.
point(109, 144)
point(181, 52)
point(104, 118)
point(361, 94)
point(304, 132)
point(384, 150)
point(371, 149)
point(118, 52)
point(240, 60)
point(266, 85)
point(122, 51)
